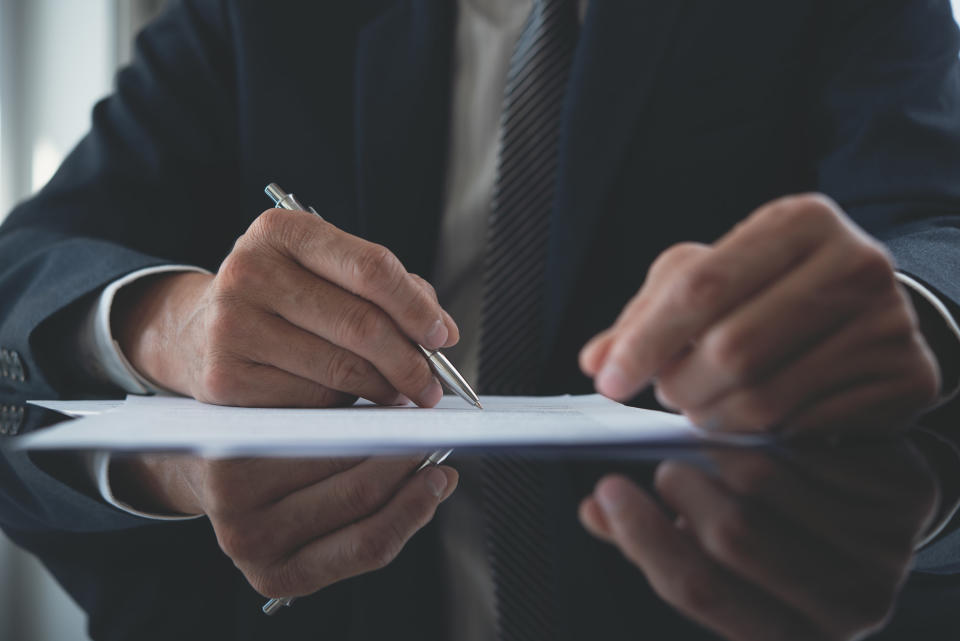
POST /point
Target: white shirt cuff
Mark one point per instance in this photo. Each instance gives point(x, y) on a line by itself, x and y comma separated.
point(104, 359)
point(921, 290)
point(101, 353)
point(947, 512)
point(98, 466)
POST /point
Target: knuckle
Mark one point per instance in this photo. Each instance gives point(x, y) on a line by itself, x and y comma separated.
point(219, 384)
point(728, 537)
point(425, 285)
point(870, 267)
point(359, 496)
point(430, 290)
point(239, 272)
point(802, 210)
point(729, 352)
point(363, 324)
point(374, 549)
point(676, 255)
point(700, 286)
point(376, 266)
point(692, 590)
point(815, 204)
point(347, 372)
point(422, 305)
point(241, 543)
point(271, 224)
point(757, 411)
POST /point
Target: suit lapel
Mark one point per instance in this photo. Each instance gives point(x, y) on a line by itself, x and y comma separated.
point(402, 106)
point(613, 75)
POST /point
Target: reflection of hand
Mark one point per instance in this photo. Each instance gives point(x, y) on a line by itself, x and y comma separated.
point(793, 320)
point(814, 548)
point(291, 526)
point(300, 313)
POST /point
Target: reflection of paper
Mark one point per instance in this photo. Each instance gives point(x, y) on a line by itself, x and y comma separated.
point(146, 423)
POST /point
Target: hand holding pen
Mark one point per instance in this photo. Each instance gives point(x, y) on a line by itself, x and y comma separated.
point(299, 314)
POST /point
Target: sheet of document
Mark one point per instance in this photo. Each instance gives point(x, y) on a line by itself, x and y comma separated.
point(151, 423)
point(79, 408)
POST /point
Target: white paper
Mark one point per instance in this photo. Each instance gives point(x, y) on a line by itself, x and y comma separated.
point(151, 423)
point(79, 408)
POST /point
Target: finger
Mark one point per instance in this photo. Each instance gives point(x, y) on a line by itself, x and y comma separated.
point(363, 268)
point(684, 577)
point(781, 323)
point(355, 325)
point(795, 567)
point(241, 383)
point(594, 353)
point(234, 486)
point(364, 546)
point(847, 359)
point(840, 501)
point(453, 336)
point(679, 306)
point(318, 509)
point(872, 408)
point(593, 519)
point(277, 342)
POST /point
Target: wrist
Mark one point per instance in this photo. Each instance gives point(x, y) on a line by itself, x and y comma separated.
point(150, 321)
point(157, 483)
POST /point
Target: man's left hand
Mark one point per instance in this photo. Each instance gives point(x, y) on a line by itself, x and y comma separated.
point(793, 321)
point(815, 548)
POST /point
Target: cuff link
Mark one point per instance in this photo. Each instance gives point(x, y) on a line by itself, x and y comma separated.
point(11, 419)
point(11, 367)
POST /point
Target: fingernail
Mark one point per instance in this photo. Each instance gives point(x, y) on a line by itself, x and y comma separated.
point(612, 496)
point(451, 336)
point(437, 336)
point(401, 400)
point(612, 381)
point(436, 481)
point(432, 394)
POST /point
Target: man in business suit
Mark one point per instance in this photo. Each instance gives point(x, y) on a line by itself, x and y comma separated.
point(677, 121)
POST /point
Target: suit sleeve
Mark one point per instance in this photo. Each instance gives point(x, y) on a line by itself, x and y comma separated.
point(888, 119)
point(160, 147)
point(137, 191)
point(888, 151)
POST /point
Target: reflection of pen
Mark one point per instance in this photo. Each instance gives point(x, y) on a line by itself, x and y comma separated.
point(442, 367)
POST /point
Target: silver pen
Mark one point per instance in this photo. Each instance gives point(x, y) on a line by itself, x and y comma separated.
point(443, 368)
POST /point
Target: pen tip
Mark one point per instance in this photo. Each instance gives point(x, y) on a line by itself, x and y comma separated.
point(477, 403)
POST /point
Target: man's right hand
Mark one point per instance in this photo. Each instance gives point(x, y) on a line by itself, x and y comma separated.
point(294, 526)
point(300, 314)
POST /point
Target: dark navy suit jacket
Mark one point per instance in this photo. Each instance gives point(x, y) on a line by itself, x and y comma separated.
point(682, 117)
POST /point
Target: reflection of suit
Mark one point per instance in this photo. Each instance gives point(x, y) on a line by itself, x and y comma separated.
point(683, 117)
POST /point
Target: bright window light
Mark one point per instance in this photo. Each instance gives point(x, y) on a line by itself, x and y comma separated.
point(46, 159)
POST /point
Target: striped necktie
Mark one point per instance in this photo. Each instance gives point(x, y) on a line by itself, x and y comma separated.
point(519, 549)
